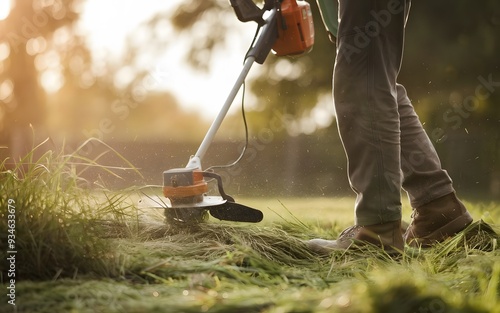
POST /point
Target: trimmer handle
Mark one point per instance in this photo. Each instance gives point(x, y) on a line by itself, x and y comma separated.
point(247, 10)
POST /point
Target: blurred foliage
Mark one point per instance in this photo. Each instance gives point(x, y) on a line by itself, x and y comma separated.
point(29, 38)
point(50, 79)
point(444, 64)
point(452, 72)
point(446, 61)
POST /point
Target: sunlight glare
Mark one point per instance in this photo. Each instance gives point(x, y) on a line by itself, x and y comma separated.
point(4, 9)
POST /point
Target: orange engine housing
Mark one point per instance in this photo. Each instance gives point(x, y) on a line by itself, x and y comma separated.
point(295, 28)
point(183, 185)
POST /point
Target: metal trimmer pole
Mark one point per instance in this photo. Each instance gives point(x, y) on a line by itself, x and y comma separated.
point(225, 108)
point(258, 53)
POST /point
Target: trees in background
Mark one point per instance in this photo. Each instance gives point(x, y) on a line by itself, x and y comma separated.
point(30, 41)
point(48, 79)
point(50, 85)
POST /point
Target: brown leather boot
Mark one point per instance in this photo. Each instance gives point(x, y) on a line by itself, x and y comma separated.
point(387, 236)
point(436, 221)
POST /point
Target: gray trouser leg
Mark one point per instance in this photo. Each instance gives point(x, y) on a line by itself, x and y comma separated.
point(377, 123)
point(423, 178)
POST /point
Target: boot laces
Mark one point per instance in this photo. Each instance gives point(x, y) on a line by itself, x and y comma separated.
point(349, 232)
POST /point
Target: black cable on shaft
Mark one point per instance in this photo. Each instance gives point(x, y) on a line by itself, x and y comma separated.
point(242, 154)
point(243, 115)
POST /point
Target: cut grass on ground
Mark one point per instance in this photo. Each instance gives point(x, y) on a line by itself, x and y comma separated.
point(221, 267)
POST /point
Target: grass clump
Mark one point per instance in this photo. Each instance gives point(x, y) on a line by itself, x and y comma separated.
point(58, 224)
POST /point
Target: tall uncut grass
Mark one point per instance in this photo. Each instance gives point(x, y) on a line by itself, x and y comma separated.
point(59, 223)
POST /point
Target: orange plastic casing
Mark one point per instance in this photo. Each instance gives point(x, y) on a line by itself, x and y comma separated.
point(198, 188)
point(295, 28)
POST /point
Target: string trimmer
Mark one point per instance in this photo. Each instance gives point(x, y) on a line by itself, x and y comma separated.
point(286, 27)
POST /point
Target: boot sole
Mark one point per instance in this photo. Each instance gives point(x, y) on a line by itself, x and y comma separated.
point(444, 232)
point(326, 247)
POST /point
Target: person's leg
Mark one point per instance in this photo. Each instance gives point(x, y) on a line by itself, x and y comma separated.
point(369, 52)
point(423, 177)
point(384, 141)
point(370, 45)
point(438, 213)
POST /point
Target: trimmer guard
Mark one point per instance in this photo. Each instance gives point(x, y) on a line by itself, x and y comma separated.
point(218, 208)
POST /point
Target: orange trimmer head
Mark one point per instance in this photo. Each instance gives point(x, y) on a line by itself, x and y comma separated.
point(186, 189)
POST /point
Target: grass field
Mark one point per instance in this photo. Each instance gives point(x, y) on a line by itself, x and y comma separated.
point(82, 251)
